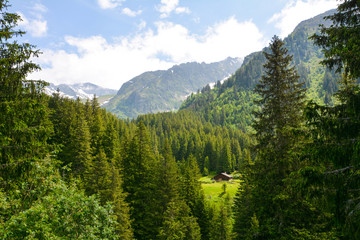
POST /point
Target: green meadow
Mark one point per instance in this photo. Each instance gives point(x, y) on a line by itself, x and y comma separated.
point(214, 191)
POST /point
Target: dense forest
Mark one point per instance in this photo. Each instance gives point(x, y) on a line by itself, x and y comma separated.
point(72, 170)
point(233, 100)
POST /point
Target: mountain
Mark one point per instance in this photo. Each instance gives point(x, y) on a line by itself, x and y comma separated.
point(231, 103)
point(159, 91)
point(79, 90)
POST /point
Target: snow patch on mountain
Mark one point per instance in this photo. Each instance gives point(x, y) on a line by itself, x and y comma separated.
point(78, 90)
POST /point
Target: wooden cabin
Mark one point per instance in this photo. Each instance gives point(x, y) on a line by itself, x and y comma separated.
point(222, 177)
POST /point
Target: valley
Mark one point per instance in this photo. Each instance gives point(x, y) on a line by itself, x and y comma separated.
point(81, 161)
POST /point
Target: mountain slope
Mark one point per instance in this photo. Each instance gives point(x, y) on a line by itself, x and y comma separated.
point(306, 56)
point(231, 103)
point(79, 90)
point(159, 91)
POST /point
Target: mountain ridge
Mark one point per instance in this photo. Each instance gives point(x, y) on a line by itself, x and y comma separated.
point(79, 90)
point(164, 90)
point(231, 103)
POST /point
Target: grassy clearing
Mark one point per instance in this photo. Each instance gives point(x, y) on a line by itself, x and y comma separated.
point(214, 191)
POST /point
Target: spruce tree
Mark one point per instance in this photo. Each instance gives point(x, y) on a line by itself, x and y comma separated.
point(221, 222)
point(335, 129)
point(178, 223)
point(341, 41)
point(96, 126)
point(35, 202)
point(169, 182)
point(140, 182)
point(264, 191)
point(79, 147)
point(101, 177)
point(24, 116)
point(282, 102)
point(177, 219)
point(194, 195)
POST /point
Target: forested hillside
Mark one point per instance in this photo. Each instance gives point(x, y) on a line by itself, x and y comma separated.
point(72, 170)
point(304, 182)
point(233, 99)
point(161, 91)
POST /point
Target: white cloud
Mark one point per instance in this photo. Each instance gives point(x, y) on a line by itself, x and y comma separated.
point(111, 64)
point(168, 6)
point(182, 10)
point(131, 13)
point(108, 4)
point(36, 27)
point(39, 8)
point(297, 11)
point(141, 25)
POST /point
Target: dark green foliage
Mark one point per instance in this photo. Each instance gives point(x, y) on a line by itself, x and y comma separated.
point(150, 159)
point(334, 131)
point(92, 156)
point(96, 126)
point(282, 99)
point(140, 182)
point(231, 103)
point(35, 201)
point(178, 223)
point(72, 133)
point(224, 106)
point(313, 193)
point(194, 195)
point(191, 135)
point(56, 211)
point(169, 177)
point(73, 170)
point(265, 201)
point(335, 155)
point(103, 178)
point(341, 40)
point(24, 124)
point(222, 221)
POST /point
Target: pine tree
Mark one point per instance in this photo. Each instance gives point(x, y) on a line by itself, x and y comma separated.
point(35, 202)
point(169, 182)
point(222, 222)
point(340, 41)
point(335, 130)
point(177, 219)
point(282, 101)
point(178, 223)
point(96, 126)
point(102, 178)
point(110, 140)
point(194, 195)
point(264, 192)
point(226, 158)
point(24, 119)
point(140, 182)
point(78, 151)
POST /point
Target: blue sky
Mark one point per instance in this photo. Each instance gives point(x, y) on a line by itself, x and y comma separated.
point(108, 42)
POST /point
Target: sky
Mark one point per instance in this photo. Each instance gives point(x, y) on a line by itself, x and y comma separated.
point(108, 42)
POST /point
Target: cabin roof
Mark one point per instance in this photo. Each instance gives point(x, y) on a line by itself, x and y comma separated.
point(223, 174)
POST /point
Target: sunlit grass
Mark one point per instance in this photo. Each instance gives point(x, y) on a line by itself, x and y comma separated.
point(214, 191)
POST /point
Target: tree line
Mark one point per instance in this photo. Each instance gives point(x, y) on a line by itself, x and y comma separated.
point(71, 170)
point(304, 182)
